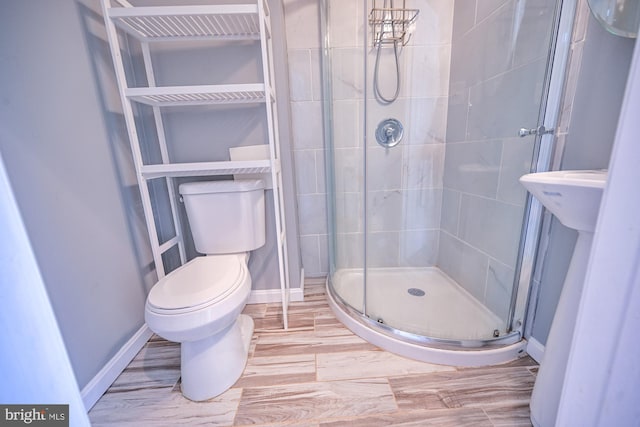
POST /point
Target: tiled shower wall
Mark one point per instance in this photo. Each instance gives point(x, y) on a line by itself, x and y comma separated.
point(494, 55)
point(405, 182)
point(303, 44)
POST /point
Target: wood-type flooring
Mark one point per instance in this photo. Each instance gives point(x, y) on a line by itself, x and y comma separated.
point(318, 374)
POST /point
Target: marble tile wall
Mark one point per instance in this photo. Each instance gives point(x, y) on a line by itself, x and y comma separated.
point(461, 210)
point(303, 44)
point(497, 62)
point(405, 183)
point(318, 374)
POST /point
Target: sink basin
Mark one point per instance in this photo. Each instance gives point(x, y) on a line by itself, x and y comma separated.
point(572, 196)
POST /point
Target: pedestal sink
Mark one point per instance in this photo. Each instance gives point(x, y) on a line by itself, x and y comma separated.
point(574, 198)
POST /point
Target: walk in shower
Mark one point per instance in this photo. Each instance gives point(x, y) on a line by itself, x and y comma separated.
point(423, 101)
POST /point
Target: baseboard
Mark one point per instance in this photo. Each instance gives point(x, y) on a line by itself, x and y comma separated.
point(320, 280)
point(535, 349)
point(107, 375)
point(266, 296)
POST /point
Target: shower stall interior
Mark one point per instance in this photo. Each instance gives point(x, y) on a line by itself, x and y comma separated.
point(423, 100)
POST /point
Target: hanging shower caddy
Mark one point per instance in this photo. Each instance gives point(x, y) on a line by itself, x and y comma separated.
point(230, 23)
point(392, 24)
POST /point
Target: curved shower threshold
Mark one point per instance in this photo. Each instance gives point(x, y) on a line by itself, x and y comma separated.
point(500, 351)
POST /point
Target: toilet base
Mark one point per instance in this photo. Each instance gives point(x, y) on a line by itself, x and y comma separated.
point(211, 366)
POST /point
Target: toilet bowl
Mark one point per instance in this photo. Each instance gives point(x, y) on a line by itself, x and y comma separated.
point(199, 304)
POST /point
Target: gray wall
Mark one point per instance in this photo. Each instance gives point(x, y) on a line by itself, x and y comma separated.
point(207, 133)
point(68, 161)
point(594, 89)
point(66, 151)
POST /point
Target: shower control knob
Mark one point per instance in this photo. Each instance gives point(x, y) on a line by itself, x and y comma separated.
point(389, 133)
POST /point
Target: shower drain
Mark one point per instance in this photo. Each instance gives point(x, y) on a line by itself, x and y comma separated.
point(416, 292)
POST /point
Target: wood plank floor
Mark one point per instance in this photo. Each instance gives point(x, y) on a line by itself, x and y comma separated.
point(319, 374)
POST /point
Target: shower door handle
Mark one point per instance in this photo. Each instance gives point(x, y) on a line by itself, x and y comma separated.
point(540, 130)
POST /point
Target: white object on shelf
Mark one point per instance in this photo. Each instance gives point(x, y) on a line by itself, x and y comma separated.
point(251, 153)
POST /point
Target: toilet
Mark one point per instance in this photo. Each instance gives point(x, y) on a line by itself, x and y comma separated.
point(199, 303)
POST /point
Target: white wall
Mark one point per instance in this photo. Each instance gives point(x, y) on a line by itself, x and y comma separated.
point(34, 364)
point(602, 383)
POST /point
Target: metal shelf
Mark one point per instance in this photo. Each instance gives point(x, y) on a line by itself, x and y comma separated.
point(196, 23)
point(164, 96)
point(167, 23)
point(174, 170)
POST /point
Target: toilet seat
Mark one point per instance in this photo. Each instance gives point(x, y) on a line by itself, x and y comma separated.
point(201, 282)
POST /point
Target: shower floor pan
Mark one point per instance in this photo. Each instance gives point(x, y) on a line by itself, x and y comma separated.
point(423, 314)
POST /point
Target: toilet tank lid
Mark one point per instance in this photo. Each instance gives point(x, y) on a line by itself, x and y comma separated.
point(225, 186)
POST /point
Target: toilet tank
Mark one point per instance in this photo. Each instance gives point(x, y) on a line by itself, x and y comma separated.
point(225, 216)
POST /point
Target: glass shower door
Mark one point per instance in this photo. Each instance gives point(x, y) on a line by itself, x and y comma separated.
point(425, 231)
point(443, 208)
